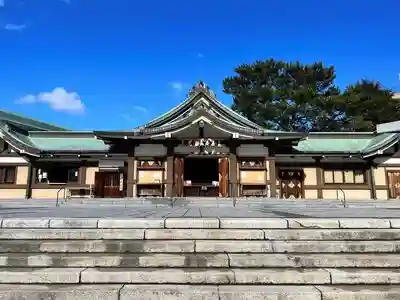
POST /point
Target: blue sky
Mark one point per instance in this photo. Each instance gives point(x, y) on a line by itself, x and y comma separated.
point(90, 64)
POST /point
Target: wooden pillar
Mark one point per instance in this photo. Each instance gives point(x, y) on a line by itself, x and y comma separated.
point(130, 182)
point(82, 175)
point(233, 182)
point(272, 176)
point(31, 180)
point(320, 181)
point(170, 171)
point(371, 181)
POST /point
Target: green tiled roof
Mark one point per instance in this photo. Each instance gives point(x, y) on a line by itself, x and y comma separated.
point(22, 121)
point(23, 139)
point(321, 145)
point(53, 141)
point(48, 137)
point(79, 144)
point(381, 140)
point(346, 144)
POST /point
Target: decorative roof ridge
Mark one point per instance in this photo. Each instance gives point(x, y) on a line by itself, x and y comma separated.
point(39, 124)
point(237, 127)
point(277, 132)
point(366, 133)
point(50, 134)
point(196, 114)
point(374, 148)
point(202, 88)
point(173, 109)
point(168, 126)
point(17, 143)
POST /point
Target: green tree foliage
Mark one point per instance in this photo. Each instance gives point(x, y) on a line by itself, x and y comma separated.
point(299, 97)
point(367, 103)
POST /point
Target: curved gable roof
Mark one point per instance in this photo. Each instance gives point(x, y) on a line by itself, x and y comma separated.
point(201, 92)
point(27, 123)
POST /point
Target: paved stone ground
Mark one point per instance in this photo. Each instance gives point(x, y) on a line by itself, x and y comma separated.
point(163, 208)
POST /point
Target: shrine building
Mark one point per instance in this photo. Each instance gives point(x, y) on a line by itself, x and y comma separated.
point(200, 148)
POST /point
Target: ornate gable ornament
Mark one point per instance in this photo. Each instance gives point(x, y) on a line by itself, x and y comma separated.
point(201, 87)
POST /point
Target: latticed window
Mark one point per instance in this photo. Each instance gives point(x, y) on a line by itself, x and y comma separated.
point(7, 175)
point(344, 176)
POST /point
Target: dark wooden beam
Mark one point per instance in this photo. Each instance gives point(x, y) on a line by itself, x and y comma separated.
point(31, 180)
point(82, 175)
point(272, 176)
point(130, 174)
point(233, 189)
point(170, 171)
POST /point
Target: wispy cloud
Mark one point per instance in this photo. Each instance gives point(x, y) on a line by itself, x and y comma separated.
point(65, 1)
point(2, 3)
point(176, 85)
point(128, 118)
point(58, 99)
point(200, 55)
point(141, 109)
point(15, 27)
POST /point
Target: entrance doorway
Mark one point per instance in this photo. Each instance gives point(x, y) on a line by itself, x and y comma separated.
point(201, 177)
point(109, 185)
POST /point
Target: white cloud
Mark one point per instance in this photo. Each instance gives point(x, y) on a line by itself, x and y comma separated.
point(176, 85)
point(200, 55)
point(59, 99)
point(141, 109)
point(1, 3)
point(27, 99)
point(128, 118)
point(15, 27)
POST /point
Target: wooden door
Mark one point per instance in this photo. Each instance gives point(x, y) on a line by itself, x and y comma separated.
point(394, 184)
point(223, 177)
point(107, 184)
point(291, 184)
point(112, 185)
point(178, 176)
point(98, 185)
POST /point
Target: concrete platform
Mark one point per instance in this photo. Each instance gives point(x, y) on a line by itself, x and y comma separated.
point(199, 208)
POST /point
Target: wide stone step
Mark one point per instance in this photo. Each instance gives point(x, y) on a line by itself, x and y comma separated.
point(289, 234)
point(297, 246)
point(201, 223)
point(163, 276)
point(135, 260)
point(340, 260)
point(96, 246)
point(332, 234)
point(179, 292)
point(61, 292)
point(199, 276)
point(197, 292)
point(200, 246)
point(357, 292)
point(200, 234)
point(201, 260)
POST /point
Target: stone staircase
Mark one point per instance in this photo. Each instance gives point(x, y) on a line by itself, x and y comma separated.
point(200, 259)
